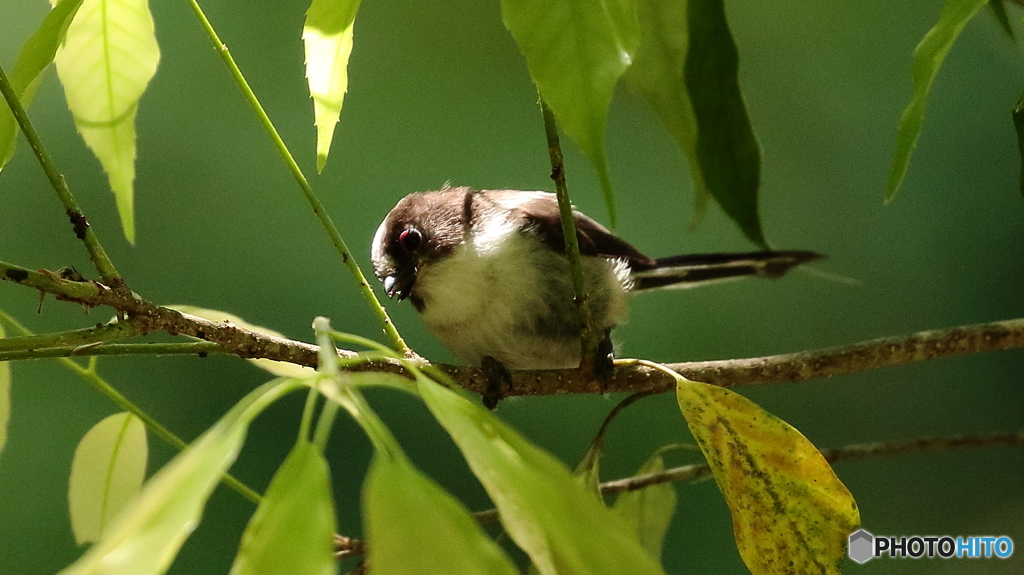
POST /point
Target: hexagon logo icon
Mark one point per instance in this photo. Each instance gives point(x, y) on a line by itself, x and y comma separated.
point(861, 547)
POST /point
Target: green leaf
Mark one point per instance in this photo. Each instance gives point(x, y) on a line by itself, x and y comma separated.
point(327, 35)
point(649, 510)
point(1018, 125)
point(293, 528)
point(145, 539)
point(107, 59)
point(790, 513)
point(414, 526)
point(106, 474)
point(657, 75)
point(5, 397)
point(32, 61)
point(549, 514)
point(727, 150)
point(999, 10)
point(928, 57)
point(576, 50)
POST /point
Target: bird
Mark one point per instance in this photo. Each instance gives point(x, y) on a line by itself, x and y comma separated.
point(488, 272)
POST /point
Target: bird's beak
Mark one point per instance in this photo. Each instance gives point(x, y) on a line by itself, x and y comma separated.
point(400, 283)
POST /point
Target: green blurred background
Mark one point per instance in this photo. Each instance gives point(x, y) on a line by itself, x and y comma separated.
point(439, 92)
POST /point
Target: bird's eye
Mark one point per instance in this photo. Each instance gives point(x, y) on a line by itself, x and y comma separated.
point(410, 240)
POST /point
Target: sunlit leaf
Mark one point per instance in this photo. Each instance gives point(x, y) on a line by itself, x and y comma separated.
point(293, 527)
point(278, 368)
point(928, 57)
point(576, 50)
point(727, 150)
point(414, 526)
point(5, 397)
point(108, 57)
point(145, 539)
point(106, 473)
point(790, 513)
point(327, 35)
point(649, 510)
point(29, 68)
point(549, 514)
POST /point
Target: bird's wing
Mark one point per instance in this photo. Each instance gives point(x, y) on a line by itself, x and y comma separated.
point(540, 212)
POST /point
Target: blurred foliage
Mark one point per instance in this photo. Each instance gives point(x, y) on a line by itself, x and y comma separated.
point(439, 91)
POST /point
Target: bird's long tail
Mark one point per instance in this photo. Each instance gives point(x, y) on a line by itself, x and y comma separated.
point(679, 272)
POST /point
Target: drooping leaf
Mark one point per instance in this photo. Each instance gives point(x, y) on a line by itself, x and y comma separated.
point(414, 526)
point(1018, 126)
point(649, 510)
point(33, 59)
point(107, 59)
point(145, 539)
point(549, 514)
point(790, 513)
point(928, 57)
point(576, 50)
point(727, 150)
point(657, 75)
point(106, 473)
point(5, 397)
point(327, 35)
point(293, 527)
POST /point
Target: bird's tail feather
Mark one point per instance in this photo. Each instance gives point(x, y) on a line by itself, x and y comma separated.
point(702, 269)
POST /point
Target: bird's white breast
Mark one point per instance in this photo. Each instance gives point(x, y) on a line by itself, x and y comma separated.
point(493, 297)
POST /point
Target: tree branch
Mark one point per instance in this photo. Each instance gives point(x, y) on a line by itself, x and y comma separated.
point(847, 453)
point(146, 316)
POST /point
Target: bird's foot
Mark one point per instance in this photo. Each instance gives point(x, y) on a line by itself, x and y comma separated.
point(499, 380)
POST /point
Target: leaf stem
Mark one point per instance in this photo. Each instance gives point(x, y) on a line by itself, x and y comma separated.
point(307, 415)
point(104, 266)
point(307, 190)
point(572, 246)
point(384, 443)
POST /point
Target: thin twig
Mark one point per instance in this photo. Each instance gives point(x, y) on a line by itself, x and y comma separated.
point(197, 348)
point(629, 400)
point(588, 338)
point(79, 223)
point(848, 453)
point(307, 190)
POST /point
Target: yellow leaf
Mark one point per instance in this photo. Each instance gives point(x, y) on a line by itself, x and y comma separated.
point(790, 513)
